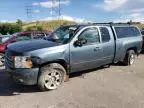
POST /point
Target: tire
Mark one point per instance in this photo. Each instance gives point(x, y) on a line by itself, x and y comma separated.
point(129, 58)
point(51, 76)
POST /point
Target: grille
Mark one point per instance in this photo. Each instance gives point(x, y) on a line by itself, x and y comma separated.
point(9, 62)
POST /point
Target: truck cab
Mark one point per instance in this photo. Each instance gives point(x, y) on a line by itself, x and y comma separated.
point(71, 48)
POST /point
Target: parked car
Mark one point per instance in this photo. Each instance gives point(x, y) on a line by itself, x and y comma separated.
point(20, 36)
point(71, 48)
point(4, 38)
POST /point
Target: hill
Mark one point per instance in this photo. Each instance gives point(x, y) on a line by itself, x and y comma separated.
point(38, 25)
point(45, 25)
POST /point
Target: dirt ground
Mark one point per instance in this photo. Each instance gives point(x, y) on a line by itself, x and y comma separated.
point(115, 87)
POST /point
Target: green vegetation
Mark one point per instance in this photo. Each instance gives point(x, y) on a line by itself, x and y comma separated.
point(9, 28)
point(20, 26)
point(45, 25)
point(50, 25)
point(39, 25)
point(141, 26)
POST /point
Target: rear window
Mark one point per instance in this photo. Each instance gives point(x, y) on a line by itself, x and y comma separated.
point(22, 37)
point(38, 35)
point(124, 32)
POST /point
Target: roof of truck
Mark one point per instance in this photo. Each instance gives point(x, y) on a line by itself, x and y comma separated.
point(100, 24)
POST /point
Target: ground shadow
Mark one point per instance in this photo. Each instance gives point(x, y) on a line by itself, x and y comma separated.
point(118, 64)
point(142, 52)
point(10, 88)
point(82, 73)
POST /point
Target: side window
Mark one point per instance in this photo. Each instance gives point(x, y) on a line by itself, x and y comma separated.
point(23, 37)
point(38, 35)
point(105, 34)
point(91, 35)
point(124, 32)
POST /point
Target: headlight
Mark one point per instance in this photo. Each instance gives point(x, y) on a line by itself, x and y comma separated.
point(22, 62)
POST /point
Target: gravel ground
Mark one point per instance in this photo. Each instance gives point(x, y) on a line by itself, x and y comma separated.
point(115, 87)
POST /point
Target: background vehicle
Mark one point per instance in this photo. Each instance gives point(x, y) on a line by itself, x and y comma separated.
point(72, 48)
point(21, 36)
point(4, 38)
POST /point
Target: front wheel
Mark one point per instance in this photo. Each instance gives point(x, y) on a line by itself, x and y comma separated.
point(1, 59)
point(129, 58)
point(51, 76)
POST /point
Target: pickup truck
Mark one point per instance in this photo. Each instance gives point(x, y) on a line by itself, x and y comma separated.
point(71, 48)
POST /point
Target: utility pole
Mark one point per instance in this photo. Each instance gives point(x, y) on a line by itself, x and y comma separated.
point(59, 9)
point(29, 12)
point(56, 9)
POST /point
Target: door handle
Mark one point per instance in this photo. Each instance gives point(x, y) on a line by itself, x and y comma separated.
point(97, 48)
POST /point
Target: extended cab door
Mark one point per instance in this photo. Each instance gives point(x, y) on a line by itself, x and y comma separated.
point(88, 55)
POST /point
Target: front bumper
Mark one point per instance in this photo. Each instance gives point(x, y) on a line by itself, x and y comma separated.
point(24, 76)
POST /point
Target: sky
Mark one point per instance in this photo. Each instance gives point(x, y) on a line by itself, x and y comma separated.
point(73, 10)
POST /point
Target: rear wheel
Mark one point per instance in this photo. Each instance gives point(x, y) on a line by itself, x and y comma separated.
point(130, 57)
point(51, 76)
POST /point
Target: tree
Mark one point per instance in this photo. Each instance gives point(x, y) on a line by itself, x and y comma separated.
point(9, 28)
point(19, 22)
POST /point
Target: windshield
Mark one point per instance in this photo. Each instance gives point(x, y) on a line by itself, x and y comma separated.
point(62, 34)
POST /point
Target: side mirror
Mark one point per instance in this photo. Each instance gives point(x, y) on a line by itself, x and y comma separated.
point(80, 42)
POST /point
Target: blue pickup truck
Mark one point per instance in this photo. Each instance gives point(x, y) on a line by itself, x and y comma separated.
point(71, 48)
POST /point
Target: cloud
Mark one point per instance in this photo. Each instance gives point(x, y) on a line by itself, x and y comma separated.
point(64, 17)
point(4, 21)
point(110, 5)
point(135, 17)
point(134, 5)
point(121, 5)
point(50, 4)
point(69, 18)
point(127, 9)
point(35, 3)
point(9, 21)
point(36, 11)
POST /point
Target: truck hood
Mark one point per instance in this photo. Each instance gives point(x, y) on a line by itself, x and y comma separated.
point(31, 45)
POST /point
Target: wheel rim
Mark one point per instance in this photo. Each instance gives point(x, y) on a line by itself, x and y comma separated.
point(53, 80)
point(132, 59)
point(1, 60)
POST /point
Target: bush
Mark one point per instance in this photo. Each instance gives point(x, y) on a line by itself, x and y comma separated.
point(9, 28)
point(34, 28)
point(45, 25)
